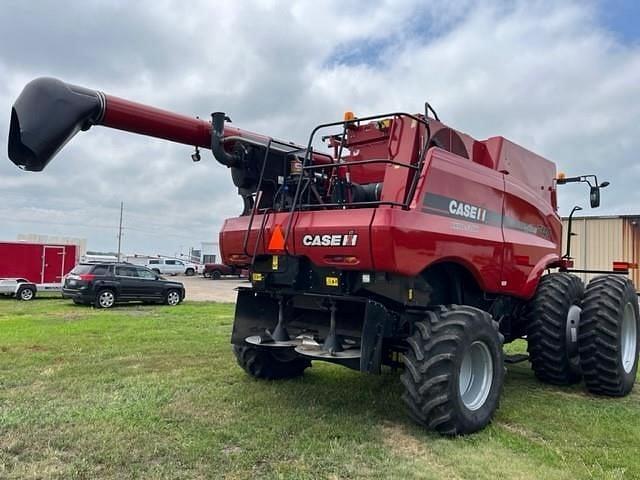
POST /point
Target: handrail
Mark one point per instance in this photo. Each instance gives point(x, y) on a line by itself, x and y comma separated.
point(359, 162)
point(245, 241)
point(344, 123)
point(354, 205)
point(334, 163)
point(265, 215)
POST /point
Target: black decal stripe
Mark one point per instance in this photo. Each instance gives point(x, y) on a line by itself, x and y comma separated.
point(439, 205)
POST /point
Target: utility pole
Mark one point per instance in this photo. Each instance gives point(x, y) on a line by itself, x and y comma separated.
point(120, 230)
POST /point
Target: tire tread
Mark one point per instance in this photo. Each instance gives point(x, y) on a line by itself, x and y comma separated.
point(428, 374)
point(260, 363)
point(546, 316)
point(598, 344)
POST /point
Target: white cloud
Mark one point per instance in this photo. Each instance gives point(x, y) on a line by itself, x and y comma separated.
point(544, 74)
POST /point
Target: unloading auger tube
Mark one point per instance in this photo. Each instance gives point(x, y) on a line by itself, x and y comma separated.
point(48, 113)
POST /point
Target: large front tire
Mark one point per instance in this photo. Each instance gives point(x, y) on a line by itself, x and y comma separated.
point(608, 336)
point(552, 322)
point(454, 370)
point(270, 364)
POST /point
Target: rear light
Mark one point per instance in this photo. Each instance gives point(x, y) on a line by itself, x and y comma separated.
point(623, 266)
point(87, 277)
point(566, 262)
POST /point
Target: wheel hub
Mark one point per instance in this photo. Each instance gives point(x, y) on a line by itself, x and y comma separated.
point(571, 337)
point(173, 298)
point(476, 375)
point(106, 299)
point(628, 338)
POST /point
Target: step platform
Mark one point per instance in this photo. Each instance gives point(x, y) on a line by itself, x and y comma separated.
point(312, 349)
point(267, 341)
point(308, 347)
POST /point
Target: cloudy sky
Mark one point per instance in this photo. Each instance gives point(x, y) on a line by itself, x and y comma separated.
point(561, 78)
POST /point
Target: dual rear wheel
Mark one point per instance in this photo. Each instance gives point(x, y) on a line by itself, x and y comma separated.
point(590, 333)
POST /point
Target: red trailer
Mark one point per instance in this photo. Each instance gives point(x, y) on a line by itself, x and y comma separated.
point(43, 265)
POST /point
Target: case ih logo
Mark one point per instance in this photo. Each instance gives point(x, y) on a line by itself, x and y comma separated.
point(335, 240)
point(465, 210)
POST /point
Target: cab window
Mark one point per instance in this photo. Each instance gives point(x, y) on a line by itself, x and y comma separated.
point(170, 262)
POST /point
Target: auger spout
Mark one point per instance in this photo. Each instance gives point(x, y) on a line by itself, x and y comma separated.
point(48, 113)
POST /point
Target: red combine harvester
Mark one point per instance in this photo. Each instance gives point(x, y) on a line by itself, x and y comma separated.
point(401, 242)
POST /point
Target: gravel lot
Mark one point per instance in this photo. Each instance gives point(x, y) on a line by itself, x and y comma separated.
point(204, 289)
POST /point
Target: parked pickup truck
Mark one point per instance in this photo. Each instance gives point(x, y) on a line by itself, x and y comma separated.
point(170, 266)
point(215, 271)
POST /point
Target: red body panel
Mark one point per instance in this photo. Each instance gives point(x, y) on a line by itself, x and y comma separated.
point(37, 263)
point(487, 207)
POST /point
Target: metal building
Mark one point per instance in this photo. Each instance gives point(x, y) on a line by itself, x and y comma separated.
point(209, 252)
point(601, 240)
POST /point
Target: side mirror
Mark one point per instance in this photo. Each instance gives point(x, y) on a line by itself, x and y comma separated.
point(594, 197)
point(591, 180)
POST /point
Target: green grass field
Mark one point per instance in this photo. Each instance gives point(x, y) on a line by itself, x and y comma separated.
point(154, 392)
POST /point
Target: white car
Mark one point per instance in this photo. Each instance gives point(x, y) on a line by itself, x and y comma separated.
point(170, 266)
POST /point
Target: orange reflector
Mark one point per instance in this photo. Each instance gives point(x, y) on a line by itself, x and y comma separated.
point(561, 176)
point(623, 266)
point(276, 243)
point(349, 116)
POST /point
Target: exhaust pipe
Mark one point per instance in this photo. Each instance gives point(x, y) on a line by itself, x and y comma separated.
point(46, 115)
point(217, 141)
